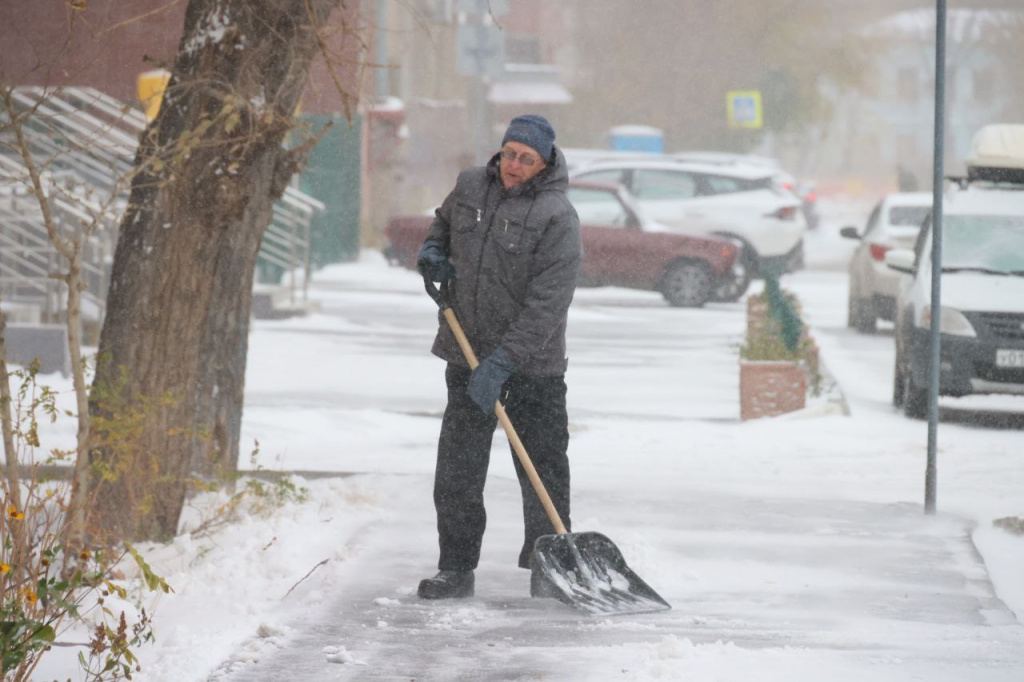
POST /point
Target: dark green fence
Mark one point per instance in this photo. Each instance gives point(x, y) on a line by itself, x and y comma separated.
point(332, 176)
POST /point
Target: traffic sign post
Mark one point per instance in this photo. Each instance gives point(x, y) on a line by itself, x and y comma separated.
point(495, 8)
point(744, 109)
point(480, 52)
point(938, 171)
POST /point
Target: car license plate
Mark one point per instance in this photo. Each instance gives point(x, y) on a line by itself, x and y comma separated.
point(1009, 358)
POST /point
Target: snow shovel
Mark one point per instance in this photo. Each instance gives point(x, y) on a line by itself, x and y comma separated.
point(584, 570)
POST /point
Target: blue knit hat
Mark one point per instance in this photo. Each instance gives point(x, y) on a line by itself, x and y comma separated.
point(533, 131)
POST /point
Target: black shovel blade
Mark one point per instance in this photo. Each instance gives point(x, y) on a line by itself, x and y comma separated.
point(587, 571)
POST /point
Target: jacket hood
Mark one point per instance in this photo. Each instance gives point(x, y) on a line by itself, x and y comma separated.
point(554, 177)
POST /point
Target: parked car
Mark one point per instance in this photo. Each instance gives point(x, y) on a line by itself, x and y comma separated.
point(805, 191)
point(894, 223)
point(982, 314)
point(621, 248)
point(577, 157)
point(742, 203)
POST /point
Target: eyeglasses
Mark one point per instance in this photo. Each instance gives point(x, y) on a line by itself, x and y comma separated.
point(524, 159)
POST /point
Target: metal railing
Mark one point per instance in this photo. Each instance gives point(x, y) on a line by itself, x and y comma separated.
point(85, 142)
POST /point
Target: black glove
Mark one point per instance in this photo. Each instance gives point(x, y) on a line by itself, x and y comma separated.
point(487, 379)
point(434, 264)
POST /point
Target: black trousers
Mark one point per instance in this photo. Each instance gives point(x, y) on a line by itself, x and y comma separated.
point(536, 408)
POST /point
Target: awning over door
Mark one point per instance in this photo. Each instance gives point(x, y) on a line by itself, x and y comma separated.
point(529, 92)
point(528, 84)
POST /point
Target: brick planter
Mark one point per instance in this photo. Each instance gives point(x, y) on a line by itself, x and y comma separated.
point(768, 389)
point(757, 316)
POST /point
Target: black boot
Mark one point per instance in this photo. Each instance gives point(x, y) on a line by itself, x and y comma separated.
point(447, 585)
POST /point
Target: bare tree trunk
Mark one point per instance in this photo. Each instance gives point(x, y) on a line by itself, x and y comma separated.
point(222, 376)
point(80, 486)
point(6, 422)
point(12, 477)
point(173, 346)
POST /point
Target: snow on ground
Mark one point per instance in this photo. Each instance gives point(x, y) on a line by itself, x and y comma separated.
point(791, 548)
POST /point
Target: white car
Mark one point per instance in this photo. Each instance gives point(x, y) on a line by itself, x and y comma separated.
point(982, 290)
point(741, 202)
point(806, 192)
point(894, 223)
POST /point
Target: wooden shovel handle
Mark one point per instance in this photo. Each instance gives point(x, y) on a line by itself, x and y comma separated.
point(513, 437)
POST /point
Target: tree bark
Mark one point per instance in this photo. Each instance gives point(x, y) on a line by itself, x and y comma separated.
point(172, 352)
point(10, 466)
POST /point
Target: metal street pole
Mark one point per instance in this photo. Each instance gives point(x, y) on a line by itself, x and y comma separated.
point(380, 38)
point(931, 471)
point(481, 144)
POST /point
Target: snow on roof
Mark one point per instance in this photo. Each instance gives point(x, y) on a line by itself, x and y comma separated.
point(729, 158)
point(528, 92)
point(998, 146)
point(633, 129)
point(909, 199)
point(986, 200)
point(745, 171)
point(389, 103)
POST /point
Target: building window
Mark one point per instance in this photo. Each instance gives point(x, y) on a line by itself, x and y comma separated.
point(983, 85)
point(907, 84)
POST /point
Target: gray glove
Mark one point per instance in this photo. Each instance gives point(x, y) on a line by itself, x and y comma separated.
point(487, 379)
point(432, 262)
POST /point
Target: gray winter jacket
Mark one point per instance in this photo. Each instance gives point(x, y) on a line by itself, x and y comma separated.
point(516, 255)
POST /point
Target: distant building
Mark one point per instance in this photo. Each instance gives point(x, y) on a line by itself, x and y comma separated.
point(109, 44)
point(886, 133)
point(426, 70)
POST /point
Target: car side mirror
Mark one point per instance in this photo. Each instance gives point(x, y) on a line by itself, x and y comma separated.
point(900, 260)
point(850, 232)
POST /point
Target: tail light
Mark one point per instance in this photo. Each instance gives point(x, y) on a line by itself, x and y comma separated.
point(878, 251)
point(784, 213)
point(811, 197)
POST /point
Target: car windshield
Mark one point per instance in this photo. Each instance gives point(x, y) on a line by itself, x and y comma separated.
point(911, 216)
point(983, 243)
point(659, 185)
point(598, 207)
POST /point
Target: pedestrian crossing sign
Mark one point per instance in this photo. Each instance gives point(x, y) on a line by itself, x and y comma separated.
point(744, 108)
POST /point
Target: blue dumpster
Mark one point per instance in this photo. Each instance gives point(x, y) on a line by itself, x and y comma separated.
point(637, 138)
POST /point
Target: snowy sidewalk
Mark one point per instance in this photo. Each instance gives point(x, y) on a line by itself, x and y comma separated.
point(765, 589)
point(790, 549)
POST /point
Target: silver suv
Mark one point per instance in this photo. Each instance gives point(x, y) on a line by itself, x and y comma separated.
point(982, 314)
point(893, 224)
point(744, 203)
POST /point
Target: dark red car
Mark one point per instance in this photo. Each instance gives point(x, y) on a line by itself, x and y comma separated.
point(620, 248)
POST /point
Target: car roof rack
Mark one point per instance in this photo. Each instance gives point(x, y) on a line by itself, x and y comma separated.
point(997, 154)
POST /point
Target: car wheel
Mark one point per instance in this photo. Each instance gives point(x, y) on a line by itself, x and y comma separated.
point(860, 313)
point(915, 398)
point(851, 313)
point(686, 284)
point(864, 319)
point(734, 284)
point(897, 384)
